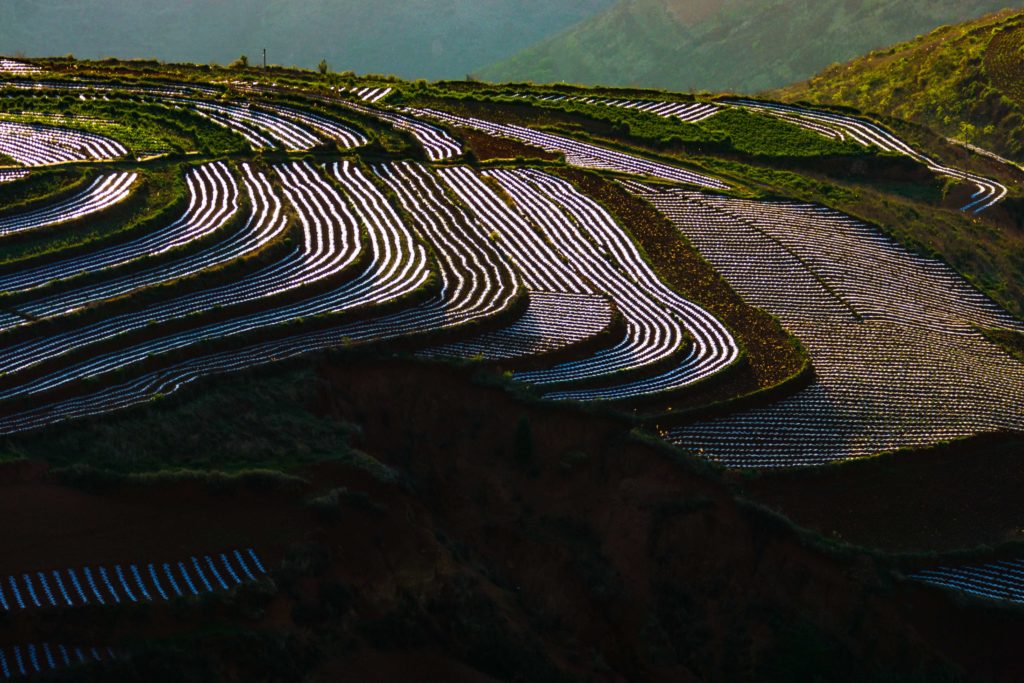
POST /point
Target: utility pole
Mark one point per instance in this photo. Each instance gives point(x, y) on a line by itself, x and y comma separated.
point(264, 59)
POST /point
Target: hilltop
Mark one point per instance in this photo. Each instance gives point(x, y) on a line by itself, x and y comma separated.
point(720, 45)
point(965, 81)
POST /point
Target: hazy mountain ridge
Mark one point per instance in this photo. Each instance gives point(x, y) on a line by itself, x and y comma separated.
point(744, 45)
point(411, 38)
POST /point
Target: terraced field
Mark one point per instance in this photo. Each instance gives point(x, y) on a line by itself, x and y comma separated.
point(335, 221)
point(891, 371)
point(514, 250)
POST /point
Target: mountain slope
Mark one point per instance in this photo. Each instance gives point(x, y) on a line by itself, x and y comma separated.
point(411, 38)
point(964, 81)
point(745, 45)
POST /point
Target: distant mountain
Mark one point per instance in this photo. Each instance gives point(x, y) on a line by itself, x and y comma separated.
point(965, 81)
point(409, 38)
point(743, 45)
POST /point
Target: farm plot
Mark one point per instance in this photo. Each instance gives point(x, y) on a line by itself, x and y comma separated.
point(481, 255)
point(476, 283)
point(35, 144)
point(13, 66)
point(892, 336)
point(551, 280)
point(133, 583)
point(104, 192)
point(437, 143)
point(552, 321)
point(262, 129)
point(660, 323)
point(213, 199)
point(34, 659)
point(9, 175)
point(371, 95)
point(842, 127)
point(266, 223)
point(261, 125)
point(397, 268)
point(165, 89)
point(687, 112)
point(343, 136)
point(581, 154)
point(1002, 581)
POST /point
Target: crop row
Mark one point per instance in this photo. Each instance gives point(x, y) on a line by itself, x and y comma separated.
point(660, 324)
point(1003, 580)
point(371, 95)
point(166, 89)
point(841, 126)
point(687, 112)
point(265, 222)
point(553, 321)
point(263, 126)
point(10, 175)
point(33, 659)
point(579, 153)
point(34, 144)
point(13, 66)
point(437, 143)
point(104, 192)
point(891, 371)
point(105, 585)
point(213, 198)
point(331, 247)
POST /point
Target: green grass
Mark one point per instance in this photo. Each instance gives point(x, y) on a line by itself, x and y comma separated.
point(42, 186)
point(961, 81)
point(733, 130)
point(144, 127)
point(759, 134)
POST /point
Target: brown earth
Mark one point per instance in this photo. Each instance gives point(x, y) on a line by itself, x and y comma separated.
point(489, 148)
point(941, 499)
point(532, 543)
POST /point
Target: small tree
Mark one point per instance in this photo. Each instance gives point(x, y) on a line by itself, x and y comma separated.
point(241, 63)
point(323, 67)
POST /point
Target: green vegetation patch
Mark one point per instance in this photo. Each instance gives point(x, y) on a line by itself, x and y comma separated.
point(764, 135)
point(962, 81)
point(1012, 342)
point(730, 131)
point(145, 127)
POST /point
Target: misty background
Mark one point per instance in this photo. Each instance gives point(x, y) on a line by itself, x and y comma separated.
point(745, 45)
